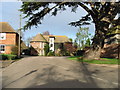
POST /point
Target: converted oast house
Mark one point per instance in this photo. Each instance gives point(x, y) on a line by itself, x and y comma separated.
point(8, 38)
point(55, 43)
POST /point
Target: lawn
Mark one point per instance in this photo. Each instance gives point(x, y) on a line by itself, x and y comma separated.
point(101, 61)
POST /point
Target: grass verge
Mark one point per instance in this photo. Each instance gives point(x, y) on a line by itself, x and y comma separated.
point(101, 61)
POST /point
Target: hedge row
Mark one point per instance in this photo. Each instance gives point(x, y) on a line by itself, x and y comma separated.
point(8, 56)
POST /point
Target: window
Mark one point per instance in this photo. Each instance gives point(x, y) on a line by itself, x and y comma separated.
point(51, 45)
point(2, 48)
point(2, 36)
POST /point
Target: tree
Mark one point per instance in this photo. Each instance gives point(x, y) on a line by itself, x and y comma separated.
point(46, 33)
point(46, 49)
point(75, 44)
point(71, 40)
point(81, 36)
point(28, 41)
point(100, 13)
point(87, 42)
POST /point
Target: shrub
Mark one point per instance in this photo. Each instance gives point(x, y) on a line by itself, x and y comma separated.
point(11, 57)
point(14, 50)
point(3, 56)
point(8, 56)
point(51, 53)
point(46, 49)
point(67, 53)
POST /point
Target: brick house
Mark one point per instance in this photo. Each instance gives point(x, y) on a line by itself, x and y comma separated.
point(8, 38)
point(55, 43)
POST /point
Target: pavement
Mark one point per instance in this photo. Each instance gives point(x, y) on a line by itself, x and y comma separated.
point(58, 72)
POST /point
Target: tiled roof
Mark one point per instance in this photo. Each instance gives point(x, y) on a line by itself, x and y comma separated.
point(58, 39)
point(39, 37)
point(5, 27)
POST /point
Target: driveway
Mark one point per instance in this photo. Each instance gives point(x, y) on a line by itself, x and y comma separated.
point(58, 72)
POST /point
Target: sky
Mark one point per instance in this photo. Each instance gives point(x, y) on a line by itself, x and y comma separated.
point(56, 25)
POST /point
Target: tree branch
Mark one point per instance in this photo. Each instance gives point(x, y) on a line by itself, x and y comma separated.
point(88, 10)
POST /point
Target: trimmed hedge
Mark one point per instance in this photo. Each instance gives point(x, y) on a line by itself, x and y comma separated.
point(8, 56)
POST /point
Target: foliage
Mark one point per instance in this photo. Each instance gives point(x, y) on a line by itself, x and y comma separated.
point(96, 11)
point(68, 49)
point(87, 42)
point(28, 41)
point(14, 50)
point(75, 44)
point(83, 37)
point(46, 33)
point(51, 53)
point(46, 49)
point(70, 39)
point(8, 56)
point(102, 14)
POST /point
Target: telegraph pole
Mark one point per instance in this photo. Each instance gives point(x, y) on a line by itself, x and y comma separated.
point(19, 39)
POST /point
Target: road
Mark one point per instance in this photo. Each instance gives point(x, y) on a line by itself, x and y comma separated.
point(58, 72)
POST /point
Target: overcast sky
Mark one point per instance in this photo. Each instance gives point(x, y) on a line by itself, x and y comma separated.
point(56, 25)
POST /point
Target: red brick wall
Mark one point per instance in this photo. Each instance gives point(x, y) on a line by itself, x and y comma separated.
point(35, 48)
point(9, 42)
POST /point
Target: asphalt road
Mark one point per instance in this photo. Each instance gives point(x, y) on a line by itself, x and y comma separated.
point(58, 72)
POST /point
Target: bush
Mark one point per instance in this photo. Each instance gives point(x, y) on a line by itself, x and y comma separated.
point(11, 57)
point(14, 50)
point(51, 53)
point(67, 53)
point(46, 49)
point(8, 56)
point(3, 56)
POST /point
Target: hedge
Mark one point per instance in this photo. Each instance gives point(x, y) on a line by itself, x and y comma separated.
point(8, 56)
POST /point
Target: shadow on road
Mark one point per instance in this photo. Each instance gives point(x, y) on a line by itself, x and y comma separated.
point(6, 78)
point(87, 75)
point(55, 79)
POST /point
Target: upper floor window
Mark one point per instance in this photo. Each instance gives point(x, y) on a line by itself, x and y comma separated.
point(2, 36)
point(2, 48)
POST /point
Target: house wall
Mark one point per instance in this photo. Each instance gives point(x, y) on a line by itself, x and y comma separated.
point(37, 48)
point(9, 42)
point(51, 43)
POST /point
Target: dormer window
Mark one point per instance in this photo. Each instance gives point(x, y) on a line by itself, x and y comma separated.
point(2, 36)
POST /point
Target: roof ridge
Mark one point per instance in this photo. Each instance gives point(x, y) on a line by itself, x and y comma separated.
point(43, 37)
point(6, 27)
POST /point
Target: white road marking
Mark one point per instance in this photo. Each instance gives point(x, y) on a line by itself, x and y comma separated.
point(104, 80)
point(99, 79)
point(115, 83)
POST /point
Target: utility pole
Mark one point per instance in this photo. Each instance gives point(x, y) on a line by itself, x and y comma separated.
point(19, 39)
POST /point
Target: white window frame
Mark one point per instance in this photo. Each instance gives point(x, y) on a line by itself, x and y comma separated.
point(3, 35)
point(1, 48)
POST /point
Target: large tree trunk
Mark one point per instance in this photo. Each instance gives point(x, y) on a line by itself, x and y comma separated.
point(98, 42)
